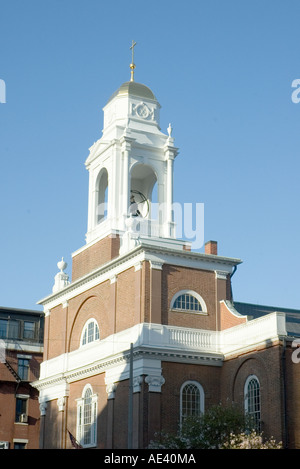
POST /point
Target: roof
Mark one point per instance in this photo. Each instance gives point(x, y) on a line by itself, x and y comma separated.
point(18, 311)
point(255, 311)
point(135, 89)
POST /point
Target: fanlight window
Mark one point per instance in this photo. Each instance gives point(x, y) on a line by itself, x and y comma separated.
point(188, 301)
point(90, 332)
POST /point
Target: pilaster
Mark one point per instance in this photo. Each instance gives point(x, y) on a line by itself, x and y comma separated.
point(155, 291)
point(221, 290)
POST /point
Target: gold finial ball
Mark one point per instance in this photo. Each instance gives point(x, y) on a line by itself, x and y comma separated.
point(132, 66)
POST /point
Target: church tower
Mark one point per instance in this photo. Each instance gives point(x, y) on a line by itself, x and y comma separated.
point(130, 180)
point(132, 157)
point(139, 316)
point(131, 172)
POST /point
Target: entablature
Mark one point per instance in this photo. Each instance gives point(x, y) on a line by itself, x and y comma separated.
point(154, 252)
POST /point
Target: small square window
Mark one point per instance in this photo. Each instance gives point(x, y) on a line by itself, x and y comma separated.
point(28, 332)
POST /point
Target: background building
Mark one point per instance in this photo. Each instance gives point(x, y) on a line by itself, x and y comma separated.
point(21, 352)
point(147, 332)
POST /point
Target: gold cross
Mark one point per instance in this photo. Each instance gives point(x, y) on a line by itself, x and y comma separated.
point(132, 65)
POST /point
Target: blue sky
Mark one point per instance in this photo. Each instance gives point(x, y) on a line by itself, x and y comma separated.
point(222, 71)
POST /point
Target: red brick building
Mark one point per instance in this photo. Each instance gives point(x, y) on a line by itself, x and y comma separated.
point(146, 332)
point(21, 352)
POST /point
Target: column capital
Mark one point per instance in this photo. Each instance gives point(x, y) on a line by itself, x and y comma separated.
point(156, 265)
point(170, 151)
point(221, 275)
point(137, 381)
point(111, 390)
point(61, 401)
point(155, 382)
point(126, 141)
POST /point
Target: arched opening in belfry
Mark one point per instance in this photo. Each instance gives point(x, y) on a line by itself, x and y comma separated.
point(101, 193)
point(143, 190)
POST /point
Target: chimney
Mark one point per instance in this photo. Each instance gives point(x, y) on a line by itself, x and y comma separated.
point(211, 247)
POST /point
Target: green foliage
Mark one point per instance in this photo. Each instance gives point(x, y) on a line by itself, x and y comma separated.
point(220, 427)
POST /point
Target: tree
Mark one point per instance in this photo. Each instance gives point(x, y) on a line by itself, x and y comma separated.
point(220, 427)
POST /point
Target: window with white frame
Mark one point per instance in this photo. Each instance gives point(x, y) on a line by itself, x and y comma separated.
point(191, 400)
point(188, 301)
point(22, 408)
point(87, 418)
point(252, 400)
point(90, 332)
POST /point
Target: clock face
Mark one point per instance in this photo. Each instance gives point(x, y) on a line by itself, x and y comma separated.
point(142, 111)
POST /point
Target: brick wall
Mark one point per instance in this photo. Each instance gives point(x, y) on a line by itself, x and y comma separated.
point(265, 363)
point(133, 297)
point(292, 390)
point(202, 282)
point(55, 340)
point(9, 388)
point(175, 375)
point(115, 305)
point(228, 319)
point(125, 302)
point(94, 303)
point(94, 256)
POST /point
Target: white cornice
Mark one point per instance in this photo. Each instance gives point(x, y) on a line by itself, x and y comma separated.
point(143, 252)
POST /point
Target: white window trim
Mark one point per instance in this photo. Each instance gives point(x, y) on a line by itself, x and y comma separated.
point(202, 396)
point(80, 410)
point(85, 327)
point(192, 293)
point(24, 397)
point(23, 441)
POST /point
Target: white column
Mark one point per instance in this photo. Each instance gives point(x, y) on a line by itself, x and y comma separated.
point(125, 188)
point(91, 202)
point(170, 153)
point(126, 148)
point(170, 189)
point(114, 206)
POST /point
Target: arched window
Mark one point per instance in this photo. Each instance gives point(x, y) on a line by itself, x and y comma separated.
point(191, 400)
point(188, 301)
point(142, 182)
point(252, 400)
point(87, 418)
point(90, 332)
point(101, 196)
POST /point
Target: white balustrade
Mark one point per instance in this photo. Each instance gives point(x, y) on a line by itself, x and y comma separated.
point(158, 337)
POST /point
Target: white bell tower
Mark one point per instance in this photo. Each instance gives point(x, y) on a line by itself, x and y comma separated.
point(132, 161)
